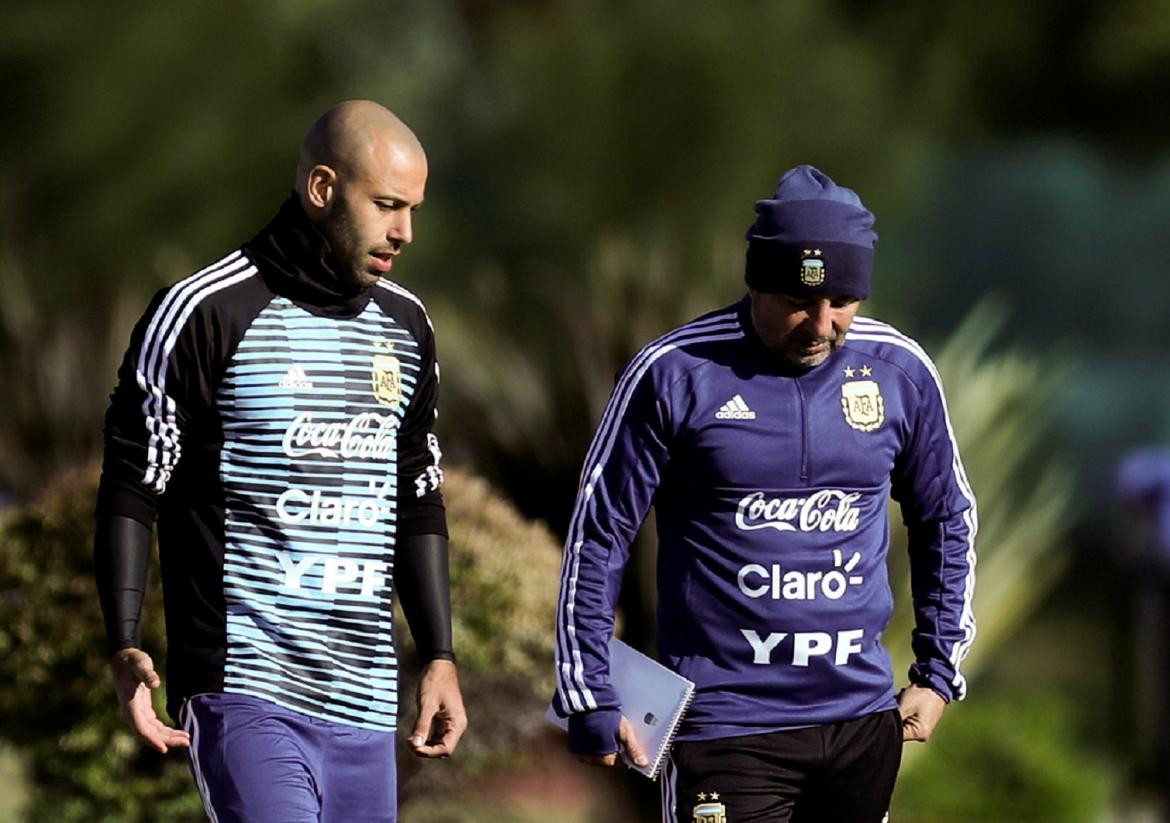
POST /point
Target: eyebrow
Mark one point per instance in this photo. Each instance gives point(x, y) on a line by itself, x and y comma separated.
point(397, 199)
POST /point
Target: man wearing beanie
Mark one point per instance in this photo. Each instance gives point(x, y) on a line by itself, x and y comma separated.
point(769, 436)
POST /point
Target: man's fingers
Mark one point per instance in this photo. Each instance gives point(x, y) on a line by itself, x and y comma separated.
point(422, 726)
point(909, 730)
point(436, 750)
point(629, 750)
point(439, 737)
point(911, 723)
point(144, 670)
point(133, 672)
point(147, 724)
point(914, 730)
point(457, 730)
point(152, 732)
point(921, 709)
point(452, 734)
point(168, 735)
point(134, 679)
point(443, 747)
point(137, 662)
point(161, 738)
point(154, 743)
point(176, 738)
point(917, 728)
point(441, 716)
point(633, 748)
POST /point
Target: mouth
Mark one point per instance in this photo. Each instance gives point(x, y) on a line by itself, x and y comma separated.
point(383, 261)
point(813, 347)
point(809, 352)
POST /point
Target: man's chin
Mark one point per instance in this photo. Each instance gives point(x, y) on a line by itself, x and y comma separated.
point(808, 362)
point(363, 279)
point(808, 358)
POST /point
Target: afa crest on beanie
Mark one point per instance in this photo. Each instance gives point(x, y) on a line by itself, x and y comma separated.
point(811, 237)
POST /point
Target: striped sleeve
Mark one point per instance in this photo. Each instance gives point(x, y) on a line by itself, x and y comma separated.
point(420, 474)
point(622, 470)
point(938, 506)
point(164, 377)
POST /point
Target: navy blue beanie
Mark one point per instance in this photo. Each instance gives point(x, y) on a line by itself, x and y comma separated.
point(812, 237)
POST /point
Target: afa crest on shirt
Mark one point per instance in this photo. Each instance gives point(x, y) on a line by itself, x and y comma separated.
point(710, 813)
point(862, 404)
point(387, 376)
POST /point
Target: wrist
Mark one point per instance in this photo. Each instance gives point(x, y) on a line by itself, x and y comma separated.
point(438, 663)
point(930, 682)
point(595, 733)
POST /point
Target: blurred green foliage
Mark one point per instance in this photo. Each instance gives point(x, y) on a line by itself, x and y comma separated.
point(1075, 246)
point(57, 706)
point(1014, 755)
point(13, 786)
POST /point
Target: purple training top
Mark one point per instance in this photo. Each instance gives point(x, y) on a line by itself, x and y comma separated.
point(770, 487)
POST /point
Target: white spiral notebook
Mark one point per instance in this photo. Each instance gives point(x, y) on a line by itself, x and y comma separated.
point(653, 698)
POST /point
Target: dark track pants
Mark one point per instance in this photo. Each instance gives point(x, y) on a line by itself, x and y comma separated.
point(836, 773)
point(255, 762)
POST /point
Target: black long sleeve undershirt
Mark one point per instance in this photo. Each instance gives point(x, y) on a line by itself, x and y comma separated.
point(121, 551)
point(422, 579)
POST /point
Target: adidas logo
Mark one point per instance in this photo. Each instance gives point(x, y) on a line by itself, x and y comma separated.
point(295, 378)
point(735, 409)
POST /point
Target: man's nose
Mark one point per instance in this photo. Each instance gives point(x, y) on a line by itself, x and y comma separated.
point(820, 318)
point(400, 230)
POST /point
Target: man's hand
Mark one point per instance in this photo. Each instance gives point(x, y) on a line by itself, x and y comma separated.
point(441, 716)
point(629, 744)
point(134, 679)
point(921, 708)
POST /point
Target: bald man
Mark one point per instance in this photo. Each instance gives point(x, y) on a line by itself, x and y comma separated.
point(273, 412)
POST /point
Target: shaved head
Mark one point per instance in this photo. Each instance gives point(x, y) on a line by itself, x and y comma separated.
point(348, 136)
point(360, 177)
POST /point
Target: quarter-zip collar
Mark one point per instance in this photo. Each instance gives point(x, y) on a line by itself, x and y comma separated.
point(296, 262)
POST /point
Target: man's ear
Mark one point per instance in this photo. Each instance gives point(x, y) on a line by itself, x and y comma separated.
point(321, 186)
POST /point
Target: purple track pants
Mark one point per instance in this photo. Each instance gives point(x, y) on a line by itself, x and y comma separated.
point(257, 762)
